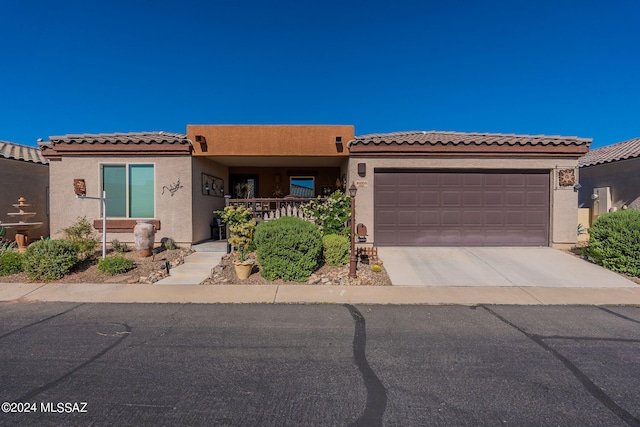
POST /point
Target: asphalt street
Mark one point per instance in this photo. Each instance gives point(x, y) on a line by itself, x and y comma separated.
point(318, 365)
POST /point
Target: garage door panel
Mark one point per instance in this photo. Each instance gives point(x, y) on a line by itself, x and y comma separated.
point(451, 198)
point(429, 218)
point(407, 198)
point(493, 198)
point(407, 218)
point(537, 198)
point(479, 208)
point(429, 198)
point(450, 218)
point(472, 198)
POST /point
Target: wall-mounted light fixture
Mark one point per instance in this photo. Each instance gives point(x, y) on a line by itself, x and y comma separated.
point(362, 169)
point(339, 146)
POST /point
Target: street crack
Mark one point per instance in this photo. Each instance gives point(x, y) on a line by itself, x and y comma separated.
point(376, 392)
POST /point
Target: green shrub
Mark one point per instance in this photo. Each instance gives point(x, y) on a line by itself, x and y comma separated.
point(376, 268)
point(288, 248)
point(615, 242)
point(10, 263)
point(336, 249)
point(331, 214)
point(50, 259)
point(82, 233)
point(116, 264)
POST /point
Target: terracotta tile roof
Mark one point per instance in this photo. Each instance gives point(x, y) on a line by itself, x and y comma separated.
point(612, 153)
point(111, 144)
point(10, 150)
point(435, 138)
point(122, 138)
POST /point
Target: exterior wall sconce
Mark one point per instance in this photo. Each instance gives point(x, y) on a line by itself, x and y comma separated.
point(362, 169)
point(203, 143)
point(339, 146)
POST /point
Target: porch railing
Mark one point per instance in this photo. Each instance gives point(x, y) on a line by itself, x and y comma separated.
point(265, 209)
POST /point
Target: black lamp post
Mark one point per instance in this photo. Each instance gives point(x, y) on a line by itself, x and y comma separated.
point(352, 263)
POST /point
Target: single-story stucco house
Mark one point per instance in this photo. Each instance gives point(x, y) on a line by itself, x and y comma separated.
point(414, 188)
point(610, 177)
point(24, 172)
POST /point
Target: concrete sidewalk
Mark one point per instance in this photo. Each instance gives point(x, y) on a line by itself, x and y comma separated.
point(316, 294)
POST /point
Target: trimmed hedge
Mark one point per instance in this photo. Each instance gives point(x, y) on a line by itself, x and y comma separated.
point(50, 259)
point(336, 249)
point(288, 248)
point(116, 264)
point(10, 263)
point(615, 242)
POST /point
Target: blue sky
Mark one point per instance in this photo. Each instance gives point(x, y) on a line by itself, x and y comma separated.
point(532, 67)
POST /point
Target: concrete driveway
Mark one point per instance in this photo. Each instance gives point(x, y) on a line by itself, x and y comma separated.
point(512, 266)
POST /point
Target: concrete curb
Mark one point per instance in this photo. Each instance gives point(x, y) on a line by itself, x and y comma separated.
point(315, 294)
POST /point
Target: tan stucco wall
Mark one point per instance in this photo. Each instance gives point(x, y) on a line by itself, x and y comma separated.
point(563, 203)
point(204, 205)
point(622, 177)
point(173, 211)
point(31, 181)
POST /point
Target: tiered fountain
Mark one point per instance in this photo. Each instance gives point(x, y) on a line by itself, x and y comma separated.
point(22, 227)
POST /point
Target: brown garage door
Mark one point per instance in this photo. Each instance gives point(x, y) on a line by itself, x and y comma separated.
point(479, 208)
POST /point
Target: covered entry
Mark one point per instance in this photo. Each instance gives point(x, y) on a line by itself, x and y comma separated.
point(453, 208)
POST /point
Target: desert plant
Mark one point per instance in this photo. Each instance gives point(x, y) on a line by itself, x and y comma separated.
point(10, 263)
point(119, 247)
point(615, 242)
point(116, 264)
point(50, 259)
point(330, 214)
point(82, 233)
point(7, 245)
point(241, 225)
point(376, 268)
point(170, 244)
point(336, 249)
point(288, 248)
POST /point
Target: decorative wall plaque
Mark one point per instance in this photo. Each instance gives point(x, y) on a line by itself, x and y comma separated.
point(566, 177)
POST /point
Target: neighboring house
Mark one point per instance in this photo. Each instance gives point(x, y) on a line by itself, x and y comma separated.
point(414, 188)
point(24, 172)
point(612, 173)
point(466, 189)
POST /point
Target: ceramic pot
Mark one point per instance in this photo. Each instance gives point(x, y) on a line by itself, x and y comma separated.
point(144, 235)
point(243, 269)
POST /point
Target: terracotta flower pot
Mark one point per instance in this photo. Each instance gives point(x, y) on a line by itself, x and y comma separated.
point(243, 269)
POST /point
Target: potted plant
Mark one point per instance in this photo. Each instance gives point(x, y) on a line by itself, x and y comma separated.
point(241, 225)
point(243, 265)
